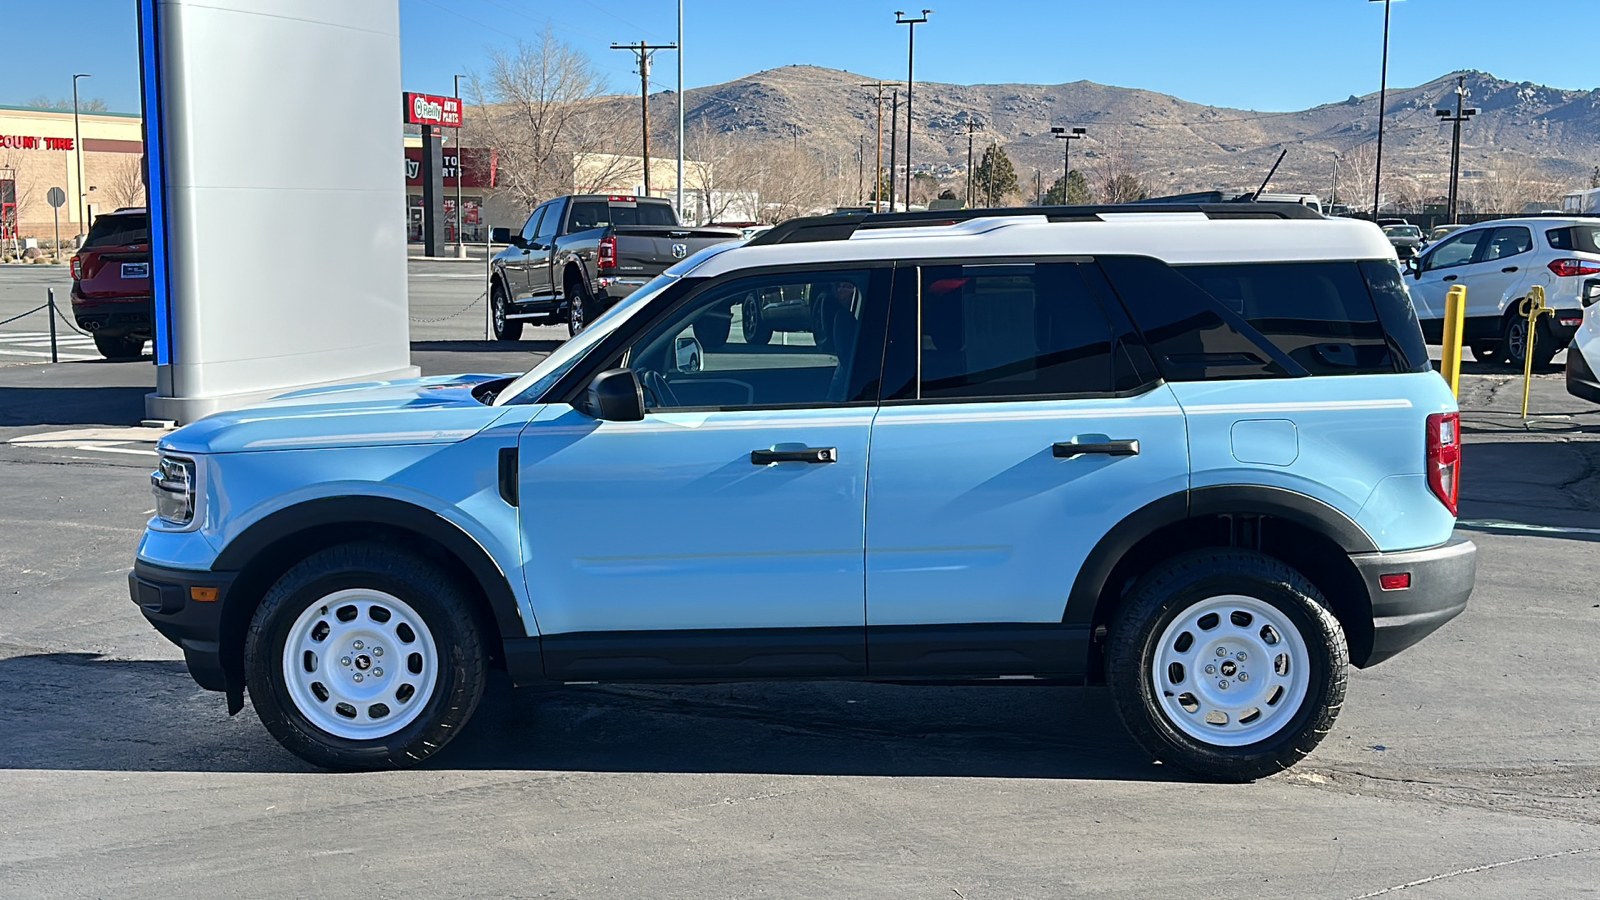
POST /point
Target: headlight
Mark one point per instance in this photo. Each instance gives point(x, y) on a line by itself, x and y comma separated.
point(173, 484)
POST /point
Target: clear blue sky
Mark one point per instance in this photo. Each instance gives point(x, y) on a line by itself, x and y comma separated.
point(1253, 54)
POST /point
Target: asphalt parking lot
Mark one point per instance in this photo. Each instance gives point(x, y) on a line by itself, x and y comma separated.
point(1468, 766)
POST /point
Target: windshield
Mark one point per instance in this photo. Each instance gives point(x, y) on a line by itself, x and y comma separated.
point(531, 387)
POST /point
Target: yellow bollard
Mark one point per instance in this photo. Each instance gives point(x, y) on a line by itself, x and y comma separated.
point(1532, 308)
point(1455, 304)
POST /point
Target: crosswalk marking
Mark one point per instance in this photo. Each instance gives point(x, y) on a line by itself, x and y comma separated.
point(36, 345)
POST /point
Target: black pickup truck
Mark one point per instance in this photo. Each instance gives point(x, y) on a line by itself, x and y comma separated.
point(577, 256)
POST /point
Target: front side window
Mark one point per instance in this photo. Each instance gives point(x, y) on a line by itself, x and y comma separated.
point(1009, 332)
point(1455, 250)
point(531, 227)
point(793, 339)
point(547, 228)
point(1508, 241)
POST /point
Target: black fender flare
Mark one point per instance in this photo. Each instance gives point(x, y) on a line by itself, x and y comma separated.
point(1263, 500)
point(387, 512)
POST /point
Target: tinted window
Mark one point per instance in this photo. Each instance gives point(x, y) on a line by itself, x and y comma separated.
point(1508, 241)
point(1320, 314)
point(1010, 331)
point(599, 213)
point(1582, 238)
point(1190, 335)
point(1397, 315)
point(531, 227)
point(1455, 250)
point(118, 231)
point(552, 218)
point(779, 340)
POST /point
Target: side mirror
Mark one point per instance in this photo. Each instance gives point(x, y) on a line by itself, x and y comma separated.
point(1414, 266)
point(615, 395)
point(687, 355)
point(500, 236)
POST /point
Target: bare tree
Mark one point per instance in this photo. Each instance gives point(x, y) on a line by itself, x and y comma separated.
point(1120, 177)
point(125, 182)
point(1510, 182)
point(542, 108)
point(724, 172)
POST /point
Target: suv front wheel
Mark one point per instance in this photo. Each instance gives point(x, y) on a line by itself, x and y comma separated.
point(364, 657)
point(1227, 663)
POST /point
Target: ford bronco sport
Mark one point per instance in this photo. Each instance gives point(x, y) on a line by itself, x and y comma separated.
point(1196, 454)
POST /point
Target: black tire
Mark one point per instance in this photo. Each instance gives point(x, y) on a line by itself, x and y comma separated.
point(443, 608)
point(504, 329)
point(580, 310)
point(1514, 345)
point(756, 330)
point(711, 330)
point(1485, 351)
point(1173, 588)
point(120, 347)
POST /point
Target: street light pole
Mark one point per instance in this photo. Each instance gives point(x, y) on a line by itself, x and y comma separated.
point(77, 147)
point(461, 213)
point(911, 56)
point(680, 109)
point(1383, 96)
point(1067, 135)
point(1461, 115)
point(971, 127)
point(894, 131)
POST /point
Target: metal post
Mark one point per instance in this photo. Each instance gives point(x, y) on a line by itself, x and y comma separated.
point(911, 56)
point(77, 148)
point(51, 302)
point(894, 124)
point(680, 109)
point(1455, 303)
point(488, 282)
point(461, 214)
point(1333, 194)
point(1383, 96)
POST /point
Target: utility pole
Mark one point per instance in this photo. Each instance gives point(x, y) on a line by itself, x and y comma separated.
point(894, 122)
point(1461, 115)
point(77, 147)
point(644, 52)
point(1038, 188)
point(861, 170)
point(1383, 95)
point(971, 127)
point(911, 57)
point(877, 186)
point(1333, 194)
point(1068, 135)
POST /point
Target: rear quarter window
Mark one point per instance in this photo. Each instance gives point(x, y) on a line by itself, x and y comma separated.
point(1582, 238)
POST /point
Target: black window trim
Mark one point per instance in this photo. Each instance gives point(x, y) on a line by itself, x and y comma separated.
point(611, 351)
point(1115, 319)
point(1499, 228)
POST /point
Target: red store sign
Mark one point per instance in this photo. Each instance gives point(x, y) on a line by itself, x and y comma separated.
point(426, 109)
point(481, 167)
point(30, 142)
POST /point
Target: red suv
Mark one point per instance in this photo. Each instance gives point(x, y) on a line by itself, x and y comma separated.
point(111, 295)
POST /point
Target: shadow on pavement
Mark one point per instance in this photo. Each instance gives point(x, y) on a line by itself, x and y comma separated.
point(1550, 484)
point(146, 715)
point(21, 406)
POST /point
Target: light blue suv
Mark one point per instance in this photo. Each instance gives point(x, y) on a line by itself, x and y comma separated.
point(1197, 454)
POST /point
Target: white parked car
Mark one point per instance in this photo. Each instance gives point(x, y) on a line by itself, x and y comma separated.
point(1499, 263)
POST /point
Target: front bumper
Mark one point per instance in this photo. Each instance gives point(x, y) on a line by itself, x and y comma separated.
point(164, 596)
point(1441, 582)
point(1581, 380)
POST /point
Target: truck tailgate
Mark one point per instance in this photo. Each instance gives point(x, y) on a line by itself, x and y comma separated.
point(652, 249)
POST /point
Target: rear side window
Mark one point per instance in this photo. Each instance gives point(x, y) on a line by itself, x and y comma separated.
point(1005, 332)
point(1320, 314)
point(1582, 238)
point(1506, 242)
point(118, 231)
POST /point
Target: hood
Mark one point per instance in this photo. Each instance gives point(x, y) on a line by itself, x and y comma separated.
point(437, 410)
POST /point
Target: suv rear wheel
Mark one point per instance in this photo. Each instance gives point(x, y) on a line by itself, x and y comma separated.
point(1227, 663)
point(364, 657)
point(121, 346)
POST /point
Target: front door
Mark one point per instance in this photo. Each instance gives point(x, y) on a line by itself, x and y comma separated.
point(1005, 455)
point(1441, 268)
point(723, 535)
point(543, 252)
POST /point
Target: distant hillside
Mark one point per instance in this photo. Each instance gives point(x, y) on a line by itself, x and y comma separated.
point(1174, 144)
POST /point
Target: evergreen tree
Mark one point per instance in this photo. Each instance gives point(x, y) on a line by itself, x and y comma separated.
point(1076, 191)
point(994, 178)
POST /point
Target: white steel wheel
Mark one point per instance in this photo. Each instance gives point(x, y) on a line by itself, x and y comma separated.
point(360, 664)
point(1231, 670)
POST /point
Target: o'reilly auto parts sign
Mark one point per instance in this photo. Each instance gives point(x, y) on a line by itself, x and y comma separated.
point(426, 109)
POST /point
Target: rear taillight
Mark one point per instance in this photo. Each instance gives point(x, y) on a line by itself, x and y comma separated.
point(77, 269)
point(1570, 268)
point(1444, 458)
point(608, 253)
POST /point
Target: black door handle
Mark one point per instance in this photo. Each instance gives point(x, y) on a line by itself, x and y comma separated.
point(1509, 269)
point(1448, 278)
point(1067, 449)
point(804, 455)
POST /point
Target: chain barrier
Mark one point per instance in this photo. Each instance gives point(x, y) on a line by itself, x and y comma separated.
point(475, 300)
point(24, 315)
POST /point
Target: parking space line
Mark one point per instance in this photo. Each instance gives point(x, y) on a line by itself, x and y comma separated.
point(1502, 525)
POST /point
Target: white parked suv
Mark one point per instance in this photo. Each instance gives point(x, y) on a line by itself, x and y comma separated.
point(1499, 263)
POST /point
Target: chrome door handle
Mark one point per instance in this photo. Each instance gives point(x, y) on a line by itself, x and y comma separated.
point(1068, 450)
point(813, 455)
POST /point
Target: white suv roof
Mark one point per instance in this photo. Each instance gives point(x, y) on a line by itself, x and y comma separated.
point(1173, 237)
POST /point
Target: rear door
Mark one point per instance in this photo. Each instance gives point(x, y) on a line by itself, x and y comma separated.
point(1500, 269)
point(1017, 429)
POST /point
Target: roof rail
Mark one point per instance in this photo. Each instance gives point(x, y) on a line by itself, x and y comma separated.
point(841, 227)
